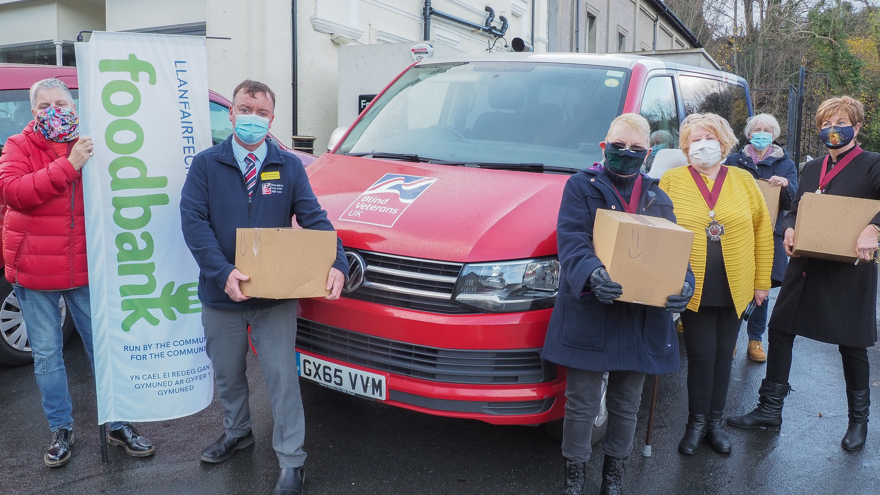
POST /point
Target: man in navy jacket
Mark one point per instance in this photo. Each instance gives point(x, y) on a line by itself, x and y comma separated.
point(247, 182)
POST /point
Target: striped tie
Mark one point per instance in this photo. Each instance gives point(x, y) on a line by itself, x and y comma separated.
point(250, 173)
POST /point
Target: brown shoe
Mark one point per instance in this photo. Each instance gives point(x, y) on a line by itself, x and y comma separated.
point(756, 351)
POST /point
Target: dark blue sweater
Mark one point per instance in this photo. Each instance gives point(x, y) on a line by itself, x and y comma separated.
point(214, 203)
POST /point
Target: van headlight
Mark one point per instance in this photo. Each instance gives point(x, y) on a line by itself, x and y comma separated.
point(508, 286)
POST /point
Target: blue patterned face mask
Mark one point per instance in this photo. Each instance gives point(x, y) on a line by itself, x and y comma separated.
point(250, 127)
point(761, 140)
point(837, 136)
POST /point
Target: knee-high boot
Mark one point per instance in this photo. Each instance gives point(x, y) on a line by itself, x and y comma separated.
point(768, 414)
point(858, 401)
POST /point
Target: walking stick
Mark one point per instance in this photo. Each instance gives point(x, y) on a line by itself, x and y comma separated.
point(647, 450)
point(102, 432)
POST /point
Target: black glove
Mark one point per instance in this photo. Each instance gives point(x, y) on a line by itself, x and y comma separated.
point(603, 287)
point(678, 303)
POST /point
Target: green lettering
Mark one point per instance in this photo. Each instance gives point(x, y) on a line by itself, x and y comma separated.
point(119, 125)
point(140, 181)
point(121, 86)
point(142, 202)
point(132, 65)
point(145, 269)
point(129, 250)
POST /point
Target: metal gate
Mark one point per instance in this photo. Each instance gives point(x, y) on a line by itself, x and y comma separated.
point(802, 141)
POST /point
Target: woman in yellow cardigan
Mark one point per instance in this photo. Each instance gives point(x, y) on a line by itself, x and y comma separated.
point(732, 257)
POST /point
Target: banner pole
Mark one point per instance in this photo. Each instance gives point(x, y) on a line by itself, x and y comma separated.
point(102, 432)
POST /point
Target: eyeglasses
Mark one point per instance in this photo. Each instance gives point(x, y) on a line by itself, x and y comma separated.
point(623, 146)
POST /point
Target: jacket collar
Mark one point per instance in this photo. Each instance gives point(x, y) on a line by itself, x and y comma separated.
point(227, 156)
point(776, 153)
point(36, 138)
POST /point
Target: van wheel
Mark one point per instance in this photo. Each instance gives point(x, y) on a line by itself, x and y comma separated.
point(600, 426)
point(15, 349)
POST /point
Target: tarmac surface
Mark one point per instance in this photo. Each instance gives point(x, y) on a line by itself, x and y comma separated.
point(358, 446)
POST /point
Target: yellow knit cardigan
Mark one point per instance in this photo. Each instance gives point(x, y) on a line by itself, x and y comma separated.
point(747, 243)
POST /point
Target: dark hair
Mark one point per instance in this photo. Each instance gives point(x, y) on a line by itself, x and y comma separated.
point(252, 88)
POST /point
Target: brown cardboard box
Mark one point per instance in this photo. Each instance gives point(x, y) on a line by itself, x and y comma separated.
point(828, 226)
point(771, 197)
point(648, 256)
point(285, 263)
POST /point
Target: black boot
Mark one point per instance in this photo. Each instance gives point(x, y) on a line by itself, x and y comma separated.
point(612, 472)
point(859, 401)
point(768, 414)
point(716, 435)
point(575, 478)
point(694, 433)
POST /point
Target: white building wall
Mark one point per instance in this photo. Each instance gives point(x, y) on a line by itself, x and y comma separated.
point(129, 15)
point(74, 17)
point(25, 23)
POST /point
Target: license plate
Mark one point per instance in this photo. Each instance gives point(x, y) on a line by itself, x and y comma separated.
point(341, 378)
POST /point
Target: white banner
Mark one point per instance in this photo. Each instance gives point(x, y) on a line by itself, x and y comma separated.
point(143, 99)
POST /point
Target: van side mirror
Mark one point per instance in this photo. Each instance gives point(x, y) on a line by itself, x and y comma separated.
point(335, 137)
point(665, 160)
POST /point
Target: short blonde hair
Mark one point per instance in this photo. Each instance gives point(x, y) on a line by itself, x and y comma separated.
point(762, 118)
point(713, 123)
point(851, 107)
point(634, 121)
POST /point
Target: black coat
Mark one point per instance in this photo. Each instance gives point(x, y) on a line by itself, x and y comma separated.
point(831, 301)
point(585, 333)
point(779, 164)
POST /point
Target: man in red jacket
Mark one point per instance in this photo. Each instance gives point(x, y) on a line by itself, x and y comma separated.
point(45, 253)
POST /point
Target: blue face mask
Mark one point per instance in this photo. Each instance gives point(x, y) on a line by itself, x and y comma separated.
point(836, 137)
point(761, 140)
point(250, 127)
point(658, 147)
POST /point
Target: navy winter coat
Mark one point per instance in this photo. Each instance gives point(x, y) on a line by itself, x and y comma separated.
point(214, 203)
point(779, 164)
point(585, 333)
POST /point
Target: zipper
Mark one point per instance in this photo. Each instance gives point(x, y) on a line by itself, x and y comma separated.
point(72, 222)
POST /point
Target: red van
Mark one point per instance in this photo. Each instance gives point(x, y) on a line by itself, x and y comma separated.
point(15, 113)
point(445, 193)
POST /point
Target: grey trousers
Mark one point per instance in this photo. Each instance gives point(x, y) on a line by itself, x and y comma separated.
point(584, 393)
point(273, 333)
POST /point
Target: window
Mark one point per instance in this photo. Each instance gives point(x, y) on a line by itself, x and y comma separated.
point(38, 53)
point(621, 42)
point(703, 95)
point(591, 33)
point(221, 127)
point(15, 111)
point(658, 107)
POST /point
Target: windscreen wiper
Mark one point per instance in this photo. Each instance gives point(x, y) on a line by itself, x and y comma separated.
point(528, 167)
point(406, 157)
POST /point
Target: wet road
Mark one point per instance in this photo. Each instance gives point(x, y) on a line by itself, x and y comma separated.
point(360, 447)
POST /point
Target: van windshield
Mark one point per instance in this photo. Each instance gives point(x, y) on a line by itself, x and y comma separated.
point(495, 113)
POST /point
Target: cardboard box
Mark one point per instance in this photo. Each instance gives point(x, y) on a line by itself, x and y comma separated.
point(285, 263)
point(771, 197)
point(829, 226)
point(648, 256)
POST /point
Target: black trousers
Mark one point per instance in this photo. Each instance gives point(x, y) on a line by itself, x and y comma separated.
point(855, 361)
point(709, 336)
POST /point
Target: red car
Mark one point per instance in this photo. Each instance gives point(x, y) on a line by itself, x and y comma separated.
point(445, 193)
point(15, 113)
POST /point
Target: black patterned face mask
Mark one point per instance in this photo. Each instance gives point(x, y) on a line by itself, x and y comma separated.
point(624, 162)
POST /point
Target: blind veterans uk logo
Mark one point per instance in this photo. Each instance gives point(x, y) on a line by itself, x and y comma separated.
point(385, 201)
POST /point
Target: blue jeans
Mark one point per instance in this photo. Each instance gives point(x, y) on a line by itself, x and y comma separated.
point(757, 323)
point(42, 315)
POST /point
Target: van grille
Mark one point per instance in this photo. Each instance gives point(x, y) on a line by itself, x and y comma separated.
point(422, 285)
point(514, 366)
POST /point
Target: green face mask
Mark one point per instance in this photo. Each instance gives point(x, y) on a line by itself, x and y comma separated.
point(624, 162)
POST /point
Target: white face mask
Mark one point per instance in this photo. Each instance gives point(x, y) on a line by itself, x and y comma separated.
point(705, 153)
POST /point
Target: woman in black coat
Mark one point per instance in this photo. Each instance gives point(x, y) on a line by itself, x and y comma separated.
point(591, 334)
point(828, 301)
point(766, 160)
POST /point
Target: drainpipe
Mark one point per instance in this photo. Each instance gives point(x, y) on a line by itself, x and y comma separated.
point(427, 17)
point(533, 24)
point(656, 21)
point(293, 72)
point(59, 53)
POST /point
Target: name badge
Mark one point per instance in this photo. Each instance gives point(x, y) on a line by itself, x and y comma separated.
point(270, 175)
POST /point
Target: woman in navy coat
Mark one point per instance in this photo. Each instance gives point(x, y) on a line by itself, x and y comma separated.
point(766, 160)
point(589, 332)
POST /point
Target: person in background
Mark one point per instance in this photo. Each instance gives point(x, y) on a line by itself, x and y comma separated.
point(45, 254)
point(590, 333)
point(766, 160)
point(828, 301)
point(732, 256)
point(660, 140)
point(223, 192)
